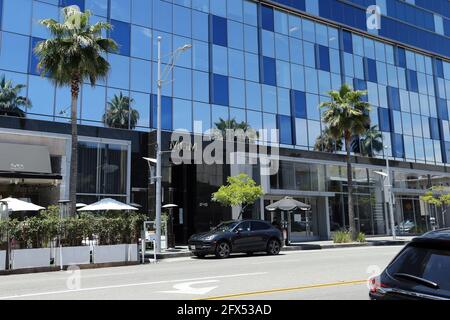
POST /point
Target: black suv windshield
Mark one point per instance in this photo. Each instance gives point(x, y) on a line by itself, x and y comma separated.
point(425, 263)
point(226, 226)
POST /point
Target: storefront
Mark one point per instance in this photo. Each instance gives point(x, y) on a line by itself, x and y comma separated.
point(316, 179)
point(34, 163)
point(323, 185)
point(31, 167)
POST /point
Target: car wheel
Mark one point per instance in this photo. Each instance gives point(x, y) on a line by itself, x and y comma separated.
point(273, 247)
point(223, 250)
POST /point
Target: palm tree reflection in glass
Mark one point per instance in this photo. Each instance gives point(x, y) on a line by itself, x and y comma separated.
point(10, 99)
point(120, 114)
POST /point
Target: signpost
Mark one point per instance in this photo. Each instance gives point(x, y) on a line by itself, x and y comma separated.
point(150, 235)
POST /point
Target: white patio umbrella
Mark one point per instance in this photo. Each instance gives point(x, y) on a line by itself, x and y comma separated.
point(108, 205)
point(16, 205)
point(170, 206)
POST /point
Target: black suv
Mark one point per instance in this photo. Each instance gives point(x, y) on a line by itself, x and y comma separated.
point(242, 236)
point(421, 271)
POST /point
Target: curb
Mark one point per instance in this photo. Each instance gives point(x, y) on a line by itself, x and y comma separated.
point(65, 268)
point(302, 247)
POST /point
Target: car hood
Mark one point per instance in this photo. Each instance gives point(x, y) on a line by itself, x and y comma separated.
point(203, 235)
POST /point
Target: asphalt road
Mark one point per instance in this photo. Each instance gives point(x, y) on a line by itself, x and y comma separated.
point(337, 274)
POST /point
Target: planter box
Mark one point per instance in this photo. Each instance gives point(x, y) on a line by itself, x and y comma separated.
point(2, 260)
point(73, 256)
point(115, 253)
point(30, 258)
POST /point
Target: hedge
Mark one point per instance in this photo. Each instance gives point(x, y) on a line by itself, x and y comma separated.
point(39, 231)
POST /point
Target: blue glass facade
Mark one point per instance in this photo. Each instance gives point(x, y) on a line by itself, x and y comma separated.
point(267, 64)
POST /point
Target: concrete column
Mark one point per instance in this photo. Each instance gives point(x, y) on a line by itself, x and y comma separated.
point(323, 217)
point(327, 213)
point(261, 203)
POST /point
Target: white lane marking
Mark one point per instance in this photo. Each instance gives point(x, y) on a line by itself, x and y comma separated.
point(186, 288)
point(128, 285)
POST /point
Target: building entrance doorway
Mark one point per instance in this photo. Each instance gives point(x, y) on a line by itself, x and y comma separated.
point(298, 225)
point(301, 226)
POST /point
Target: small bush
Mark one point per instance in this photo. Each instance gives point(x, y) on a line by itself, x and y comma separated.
point(361, 238)
point(342, 237)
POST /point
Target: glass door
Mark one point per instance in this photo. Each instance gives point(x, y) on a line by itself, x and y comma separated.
point(303, 225)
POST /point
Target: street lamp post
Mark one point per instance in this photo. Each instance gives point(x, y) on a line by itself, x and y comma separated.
point(64, 206)
point(158, 154)
point(390, 194)
point(158, 177)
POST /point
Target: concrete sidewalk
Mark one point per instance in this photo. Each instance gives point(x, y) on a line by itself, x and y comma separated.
point(183, 251)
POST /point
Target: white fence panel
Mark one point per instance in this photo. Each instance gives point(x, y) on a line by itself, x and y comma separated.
point(30, 258)
point(115, 253)
point(73, 255)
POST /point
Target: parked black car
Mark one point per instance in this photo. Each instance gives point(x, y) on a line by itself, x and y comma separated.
point(242, 236)
point(421, 271)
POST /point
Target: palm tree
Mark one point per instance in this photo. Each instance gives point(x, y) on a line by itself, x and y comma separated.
point(371, 142)
point(120, 114)
point(10, 99)
point(74, 54)
point(327, 143)
point(347, 115)
point(223, 125)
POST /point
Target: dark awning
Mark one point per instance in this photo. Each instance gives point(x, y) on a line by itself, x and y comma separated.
point(25, 175)
point(21, 158)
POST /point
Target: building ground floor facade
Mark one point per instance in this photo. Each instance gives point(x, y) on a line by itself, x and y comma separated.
point(34, 165)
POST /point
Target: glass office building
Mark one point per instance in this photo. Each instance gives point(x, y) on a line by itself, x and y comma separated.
point(267, 63)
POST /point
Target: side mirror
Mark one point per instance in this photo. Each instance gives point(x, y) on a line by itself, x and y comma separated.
point(239, 230)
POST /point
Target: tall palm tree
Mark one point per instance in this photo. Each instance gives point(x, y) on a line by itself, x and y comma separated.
point(10, 99)
point(347, 115)
point(326, 142)
point(119, 113)
point(74, 54)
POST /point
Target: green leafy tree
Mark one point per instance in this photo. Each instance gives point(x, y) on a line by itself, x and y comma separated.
point(438, 197)
point(347, 115)
point(75, 53)
point(240, 190)
point(120, 114)
point(11, 102)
